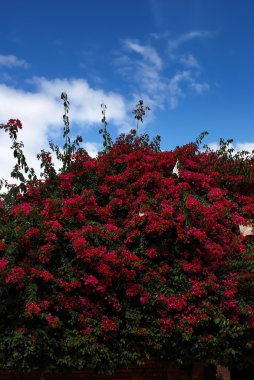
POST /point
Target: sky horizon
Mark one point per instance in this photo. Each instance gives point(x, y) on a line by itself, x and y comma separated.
point(191, 61)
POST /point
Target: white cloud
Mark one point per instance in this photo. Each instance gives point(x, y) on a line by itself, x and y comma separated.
point(41, 115)
point(247, 146)
point(92, 148)
point(147, 52)
point(214, 145)
point(12, 61)
point(85, 101)
point(237, 146)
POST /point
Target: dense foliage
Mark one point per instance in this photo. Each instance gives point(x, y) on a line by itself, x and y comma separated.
point(117, 259)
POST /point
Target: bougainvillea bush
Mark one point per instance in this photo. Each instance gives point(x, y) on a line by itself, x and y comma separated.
point(118, 259)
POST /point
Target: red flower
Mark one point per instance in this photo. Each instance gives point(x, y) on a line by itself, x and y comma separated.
point(13, 125)
point(133, 290)
point(2, 246)
point(53, 321)
point(15, 276)
point(32, 308)
point(144, 298)
point(79, 244)
point(108, 325)
point(22, 209)
point(91, 280)
point(3, 263)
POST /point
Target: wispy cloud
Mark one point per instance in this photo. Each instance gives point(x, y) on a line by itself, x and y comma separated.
point(157, 12)
point(198, 86)
point(147, 52)
point(177, 87)
point(174, 43)
point(12, 61)
point(189, 61)
point(150, 79)
point(162, 81)
point(175, 90)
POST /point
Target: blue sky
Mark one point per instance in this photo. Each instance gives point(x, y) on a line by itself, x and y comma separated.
point(191, 61)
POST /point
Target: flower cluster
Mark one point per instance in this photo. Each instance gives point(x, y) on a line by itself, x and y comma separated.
point(119, 259)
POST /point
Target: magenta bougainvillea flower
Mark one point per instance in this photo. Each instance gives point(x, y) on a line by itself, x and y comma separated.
point(122, 258)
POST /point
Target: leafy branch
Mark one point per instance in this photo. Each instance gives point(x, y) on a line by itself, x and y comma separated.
point(12, 128)
point(140, 112)
point(107, 143)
